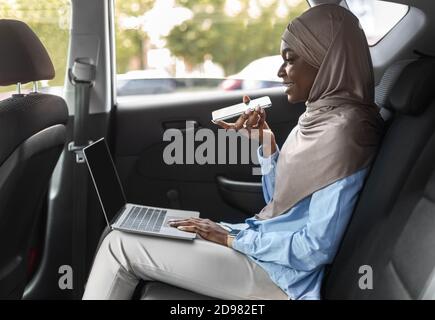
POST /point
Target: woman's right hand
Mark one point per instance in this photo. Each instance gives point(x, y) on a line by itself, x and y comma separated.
point(256, 127)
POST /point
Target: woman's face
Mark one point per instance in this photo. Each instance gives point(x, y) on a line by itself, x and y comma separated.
point(298, 76)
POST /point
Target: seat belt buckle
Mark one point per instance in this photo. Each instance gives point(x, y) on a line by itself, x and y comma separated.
point(78, 150)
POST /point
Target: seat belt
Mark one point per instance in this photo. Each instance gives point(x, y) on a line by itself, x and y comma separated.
point(82, 77)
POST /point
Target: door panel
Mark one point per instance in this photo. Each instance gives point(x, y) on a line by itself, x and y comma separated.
point(221, 192)
point(242, 195)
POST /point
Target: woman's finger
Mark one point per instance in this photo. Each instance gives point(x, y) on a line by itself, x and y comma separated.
point(252, 120)
point(262, 115)
point(175, 220)
point(202, 228)
point(201, 224)
point(241, 120)
point(187, 222)
point(224, 124)
point(194, 227)
point(190, 228)
point(175, 223)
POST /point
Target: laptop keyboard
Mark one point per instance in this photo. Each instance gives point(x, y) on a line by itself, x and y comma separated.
point(144, 219)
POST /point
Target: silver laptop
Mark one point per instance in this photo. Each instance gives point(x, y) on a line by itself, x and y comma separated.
point(130, 217)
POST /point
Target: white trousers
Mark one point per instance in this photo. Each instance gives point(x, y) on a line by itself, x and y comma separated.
point(200, 266)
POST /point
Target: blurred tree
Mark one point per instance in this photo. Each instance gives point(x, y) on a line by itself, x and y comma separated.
point(131, 42)
point(50, 20)
point(233, 36)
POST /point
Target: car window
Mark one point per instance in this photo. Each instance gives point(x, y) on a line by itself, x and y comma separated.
point(50, 20)
point(377, 18)
point(199, 44)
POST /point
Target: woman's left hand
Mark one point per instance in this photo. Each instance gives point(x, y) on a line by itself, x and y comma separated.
point(206, 228)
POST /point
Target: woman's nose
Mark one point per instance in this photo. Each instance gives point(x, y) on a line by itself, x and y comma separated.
point(281, 72)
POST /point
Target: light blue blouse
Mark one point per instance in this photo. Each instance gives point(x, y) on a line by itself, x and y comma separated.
point(294, 248)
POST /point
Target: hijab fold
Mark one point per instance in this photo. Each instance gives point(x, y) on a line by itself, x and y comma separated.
point(340, 130)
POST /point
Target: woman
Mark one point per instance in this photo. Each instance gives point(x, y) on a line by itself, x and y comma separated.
point(310, 186)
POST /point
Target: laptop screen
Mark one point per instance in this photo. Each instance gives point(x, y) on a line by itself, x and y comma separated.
point(105, 177)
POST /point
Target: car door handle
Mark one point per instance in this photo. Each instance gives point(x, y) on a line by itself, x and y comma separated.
point(243, 195)
point(238, 186)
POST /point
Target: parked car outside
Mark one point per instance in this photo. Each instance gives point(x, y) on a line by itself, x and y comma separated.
point(260, 73)
point(149, 81)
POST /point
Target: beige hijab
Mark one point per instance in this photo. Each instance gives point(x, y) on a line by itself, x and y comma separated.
point(340, 130)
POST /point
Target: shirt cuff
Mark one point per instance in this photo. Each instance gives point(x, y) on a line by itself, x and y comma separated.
point(267, 164)
point(233, 228)
point(244, 241)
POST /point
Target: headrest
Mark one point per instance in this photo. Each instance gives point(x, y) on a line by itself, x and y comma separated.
point(23, 58)
point(414, 89)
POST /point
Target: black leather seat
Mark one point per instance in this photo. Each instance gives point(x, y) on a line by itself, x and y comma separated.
point(393, 227)
point(32, 136)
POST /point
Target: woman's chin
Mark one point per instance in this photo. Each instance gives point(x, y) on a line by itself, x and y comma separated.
point(290, 98)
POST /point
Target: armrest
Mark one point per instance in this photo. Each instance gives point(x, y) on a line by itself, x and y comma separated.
point(243, 195)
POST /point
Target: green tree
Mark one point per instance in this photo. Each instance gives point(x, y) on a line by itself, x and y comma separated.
point(234, 41)
point(49, 19)
point(231, 41)
point(130, 43)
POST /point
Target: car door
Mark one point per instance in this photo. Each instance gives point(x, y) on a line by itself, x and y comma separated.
point(221, 192)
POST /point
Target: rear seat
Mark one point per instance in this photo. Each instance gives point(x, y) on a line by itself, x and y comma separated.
point(393, 226)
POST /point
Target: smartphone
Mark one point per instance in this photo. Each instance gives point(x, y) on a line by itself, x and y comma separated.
point(238, 109)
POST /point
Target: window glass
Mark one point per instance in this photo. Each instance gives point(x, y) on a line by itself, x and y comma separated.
point(172, 46)
point(50, 20)
point(377, 18)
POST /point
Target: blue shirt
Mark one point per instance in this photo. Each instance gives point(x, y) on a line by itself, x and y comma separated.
point(294, 247)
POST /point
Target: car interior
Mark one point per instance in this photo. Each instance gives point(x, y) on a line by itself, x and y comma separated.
point(50, 213)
